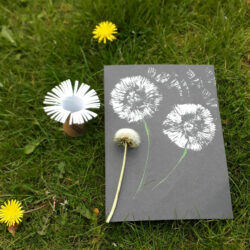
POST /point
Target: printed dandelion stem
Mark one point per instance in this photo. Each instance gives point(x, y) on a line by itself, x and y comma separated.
point(146, 162)
point(119, 185)
point(172, 170)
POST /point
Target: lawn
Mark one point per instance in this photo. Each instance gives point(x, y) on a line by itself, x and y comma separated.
point(44, 42)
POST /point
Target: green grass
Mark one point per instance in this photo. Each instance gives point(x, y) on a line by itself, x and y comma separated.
point(52, 41)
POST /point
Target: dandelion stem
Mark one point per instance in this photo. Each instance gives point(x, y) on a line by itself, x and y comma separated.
point(35, 209)
point(119, 185)
point(146, 162)
point(172, 170)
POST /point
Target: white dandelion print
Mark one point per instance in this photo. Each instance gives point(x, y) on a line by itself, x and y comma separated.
point(189, 126)
point(134, 99)
point(195, 81)
point(210, 76)
point(170, 80)
point(152, 71)
point(173, 80)
point(65, 102)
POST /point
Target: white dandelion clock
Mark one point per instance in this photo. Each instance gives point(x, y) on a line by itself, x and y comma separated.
point(73, 105)
point(189, 126)
point(134, 99)
point(127, 135)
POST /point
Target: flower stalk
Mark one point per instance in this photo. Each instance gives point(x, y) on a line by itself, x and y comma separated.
point(119, 184)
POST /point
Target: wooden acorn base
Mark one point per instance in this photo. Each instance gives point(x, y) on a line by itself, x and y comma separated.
point(73, 130)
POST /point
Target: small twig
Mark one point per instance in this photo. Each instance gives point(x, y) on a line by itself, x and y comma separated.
point(35, 209)
point(48, 216)
point(45, 224)
point(54, 204)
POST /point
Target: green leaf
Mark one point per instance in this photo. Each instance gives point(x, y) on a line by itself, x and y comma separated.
point(6, 33)
point(82, 210)
point(29, 148)
point(61, 167)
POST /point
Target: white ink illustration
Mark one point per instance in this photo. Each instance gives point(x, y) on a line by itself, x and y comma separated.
point(210, 76)
point(189, 126)
point(65, 102)
point(136, 98)
point(152, 71)
point(170, 80)
point(195, 81)
point(184, 85)
point(162, 77)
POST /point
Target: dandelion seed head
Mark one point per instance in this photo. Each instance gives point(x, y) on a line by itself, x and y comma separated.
point(129, 136)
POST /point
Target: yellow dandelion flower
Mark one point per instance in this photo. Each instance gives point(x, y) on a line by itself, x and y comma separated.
point(104, 31)
point(11, 213)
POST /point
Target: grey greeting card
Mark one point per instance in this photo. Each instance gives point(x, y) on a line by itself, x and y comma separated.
point(179, 171)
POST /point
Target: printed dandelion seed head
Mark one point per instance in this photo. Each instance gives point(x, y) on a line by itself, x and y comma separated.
point(129, 136)
point(11, 213)
point(135, 98)
point(105, 31)
point(64, 102)
point(190, 126)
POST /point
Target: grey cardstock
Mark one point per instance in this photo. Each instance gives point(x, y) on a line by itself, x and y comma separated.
point(198, 188)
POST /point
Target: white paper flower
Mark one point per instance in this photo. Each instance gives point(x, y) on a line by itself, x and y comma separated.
point(135, 98)
point(63, 101)
point(190, 126)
